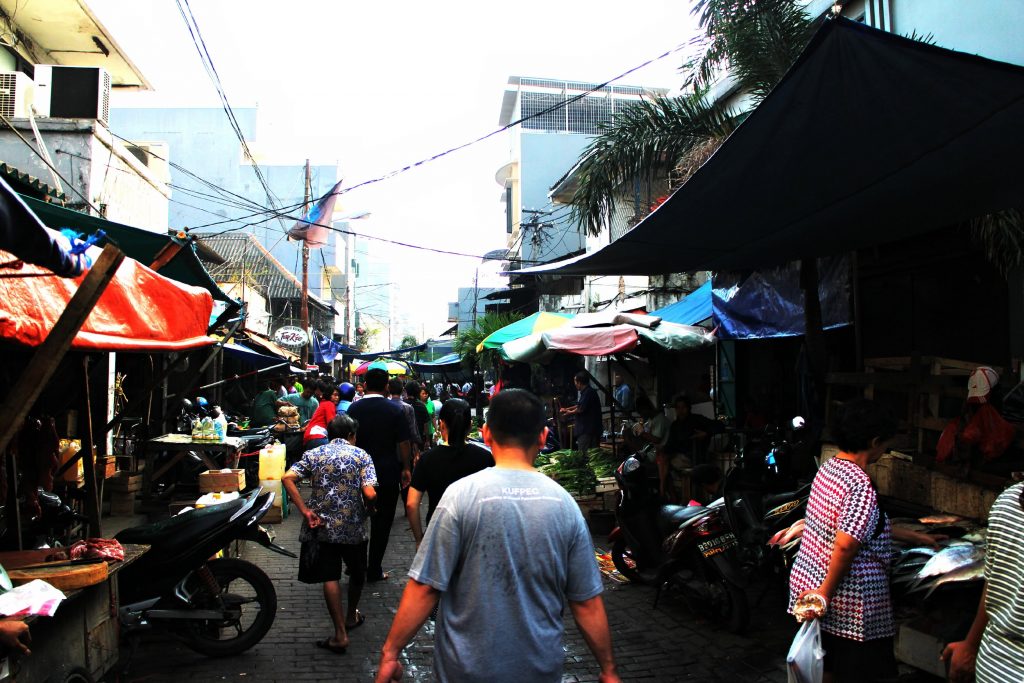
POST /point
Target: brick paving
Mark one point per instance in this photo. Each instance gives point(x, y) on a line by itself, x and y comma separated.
point(669, 643)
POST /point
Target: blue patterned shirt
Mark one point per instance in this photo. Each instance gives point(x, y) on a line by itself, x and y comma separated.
point(338, 472)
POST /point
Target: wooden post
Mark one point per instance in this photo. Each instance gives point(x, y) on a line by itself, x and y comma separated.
point(23, 395)
point(304, 308)
point(92, 493)
point(45, 360)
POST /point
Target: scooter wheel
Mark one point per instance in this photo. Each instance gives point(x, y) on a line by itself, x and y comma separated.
point(625, 563)
point(245, 588)
point(731, 605)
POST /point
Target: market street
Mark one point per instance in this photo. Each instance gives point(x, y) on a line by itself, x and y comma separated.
point(666, 644)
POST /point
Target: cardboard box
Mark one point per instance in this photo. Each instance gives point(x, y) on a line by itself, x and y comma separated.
point(273, 516)
point(224, 482)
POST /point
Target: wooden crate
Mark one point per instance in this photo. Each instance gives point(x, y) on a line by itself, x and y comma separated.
point(106, 466)
point(125, 482)
point(212, 481)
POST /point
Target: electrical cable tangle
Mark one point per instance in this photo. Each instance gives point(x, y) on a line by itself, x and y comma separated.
point(280, 214)
point(211, 70)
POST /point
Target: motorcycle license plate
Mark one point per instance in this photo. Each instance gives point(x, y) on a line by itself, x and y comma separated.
point(716, 545)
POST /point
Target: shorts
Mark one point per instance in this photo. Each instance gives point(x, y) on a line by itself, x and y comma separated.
point(320, 561)
point(856, 661)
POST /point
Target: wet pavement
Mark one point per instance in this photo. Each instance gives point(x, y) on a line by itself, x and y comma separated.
point(669, 643)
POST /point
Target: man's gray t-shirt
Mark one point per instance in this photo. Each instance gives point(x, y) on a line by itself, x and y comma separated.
point(506, 548)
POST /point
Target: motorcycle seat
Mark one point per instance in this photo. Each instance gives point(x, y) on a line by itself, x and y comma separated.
point(782, 498)
point(671, 517)
point(181, 529)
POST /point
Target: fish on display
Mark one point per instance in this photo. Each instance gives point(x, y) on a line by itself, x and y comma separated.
point(940, 519)
point(952, 558)
point(976, 536)
point(974, 571)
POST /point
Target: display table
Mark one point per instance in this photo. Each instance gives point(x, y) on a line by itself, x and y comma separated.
point(225, 450)
point(83, 635)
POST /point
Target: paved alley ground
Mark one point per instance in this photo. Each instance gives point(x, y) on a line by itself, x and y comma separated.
point(663, 644)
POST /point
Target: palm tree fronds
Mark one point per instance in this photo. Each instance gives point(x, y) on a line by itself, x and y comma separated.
point(646, 140)
point(465, 342)
point(756, 40)
point(1001, 235)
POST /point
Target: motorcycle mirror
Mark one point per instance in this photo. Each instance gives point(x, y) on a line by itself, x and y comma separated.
point(798, 422)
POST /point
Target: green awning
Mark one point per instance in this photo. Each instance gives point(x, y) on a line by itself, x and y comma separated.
point(138, 244)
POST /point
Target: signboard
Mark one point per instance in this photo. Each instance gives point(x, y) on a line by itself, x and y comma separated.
point(291, 336)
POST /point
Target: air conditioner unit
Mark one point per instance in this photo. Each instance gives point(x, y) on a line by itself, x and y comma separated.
point(16, 94)
point(73, 92)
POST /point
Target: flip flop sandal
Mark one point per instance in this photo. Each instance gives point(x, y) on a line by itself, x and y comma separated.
point(360, 620)
point(326, 644)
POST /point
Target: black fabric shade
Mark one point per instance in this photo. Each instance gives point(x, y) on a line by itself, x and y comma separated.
point(869, 138)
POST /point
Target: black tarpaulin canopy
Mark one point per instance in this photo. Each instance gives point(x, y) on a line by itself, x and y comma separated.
point(869, 138)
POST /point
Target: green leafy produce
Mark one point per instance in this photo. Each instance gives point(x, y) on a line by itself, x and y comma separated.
point(576, 473)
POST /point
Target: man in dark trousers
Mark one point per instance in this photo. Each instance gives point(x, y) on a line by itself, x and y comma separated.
point(587, 412)
point(384, 434)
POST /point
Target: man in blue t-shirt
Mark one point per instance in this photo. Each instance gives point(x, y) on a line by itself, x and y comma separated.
point(511, 539)
point(587, 414)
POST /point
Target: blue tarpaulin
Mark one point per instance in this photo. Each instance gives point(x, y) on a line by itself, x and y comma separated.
point(250, 357)
point(695, 308)
point(450, 363)
point(770, 303)
point(326, 350)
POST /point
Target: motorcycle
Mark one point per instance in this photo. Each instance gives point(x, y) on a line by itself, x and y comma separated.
point(762, 496)
point(689, 547)
point(217, 607)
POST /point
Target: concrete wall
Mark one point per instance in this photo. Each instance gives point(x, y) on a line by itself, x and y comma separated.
point(544, 158)
point(201, 140)
point(990, 28)
point(96, 165)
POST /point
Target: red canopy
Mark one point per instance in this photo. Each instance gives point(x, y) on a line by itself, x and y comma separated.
point(140, 310)
point(591, 341)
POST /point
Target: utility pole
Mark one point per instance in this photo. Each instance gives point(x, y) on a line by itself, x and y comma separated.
point(304, 309)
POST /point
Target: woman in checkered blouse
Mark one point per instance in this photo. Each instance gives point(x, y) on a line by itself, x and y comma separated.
point(846, 549)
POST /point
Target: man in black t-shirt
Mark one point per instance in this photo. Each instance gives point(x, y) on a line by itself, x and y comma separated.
point(384, 434)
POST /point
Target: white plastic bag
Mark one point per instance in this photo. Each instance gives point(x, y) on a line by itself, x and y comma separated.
point(805, 662)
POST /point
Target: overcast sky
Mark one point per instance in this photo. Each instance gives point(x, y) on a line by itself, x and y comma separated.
point(374, 86)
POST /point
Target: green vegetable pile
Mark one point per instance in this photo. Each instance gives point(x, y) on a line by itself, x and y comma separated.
point(577, 474)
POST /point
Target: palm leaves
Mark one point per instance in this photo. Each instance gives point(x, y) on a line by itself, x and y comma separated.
point(756, 40)
point(667, 139)
point(1001, 236)
point(466, 341)
point(645, 142)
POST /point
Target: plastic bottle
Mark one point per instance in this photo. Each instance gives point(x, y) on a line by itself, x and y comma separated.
point(220, 427)
point(208, 432)
point(197, 430)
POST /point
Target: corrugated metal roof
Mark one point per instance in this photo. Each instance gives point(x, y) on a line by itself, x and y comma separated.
point(245, 257)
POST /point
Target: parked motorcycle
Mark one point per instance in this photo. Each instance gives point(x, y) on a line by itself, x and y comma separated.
point(763, 495)
point(690, 547)
point(216, 607)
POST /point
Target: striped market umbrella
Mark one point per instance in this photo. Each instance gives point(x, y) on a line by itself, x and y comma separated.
point(394, 367)
point(531, 324)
